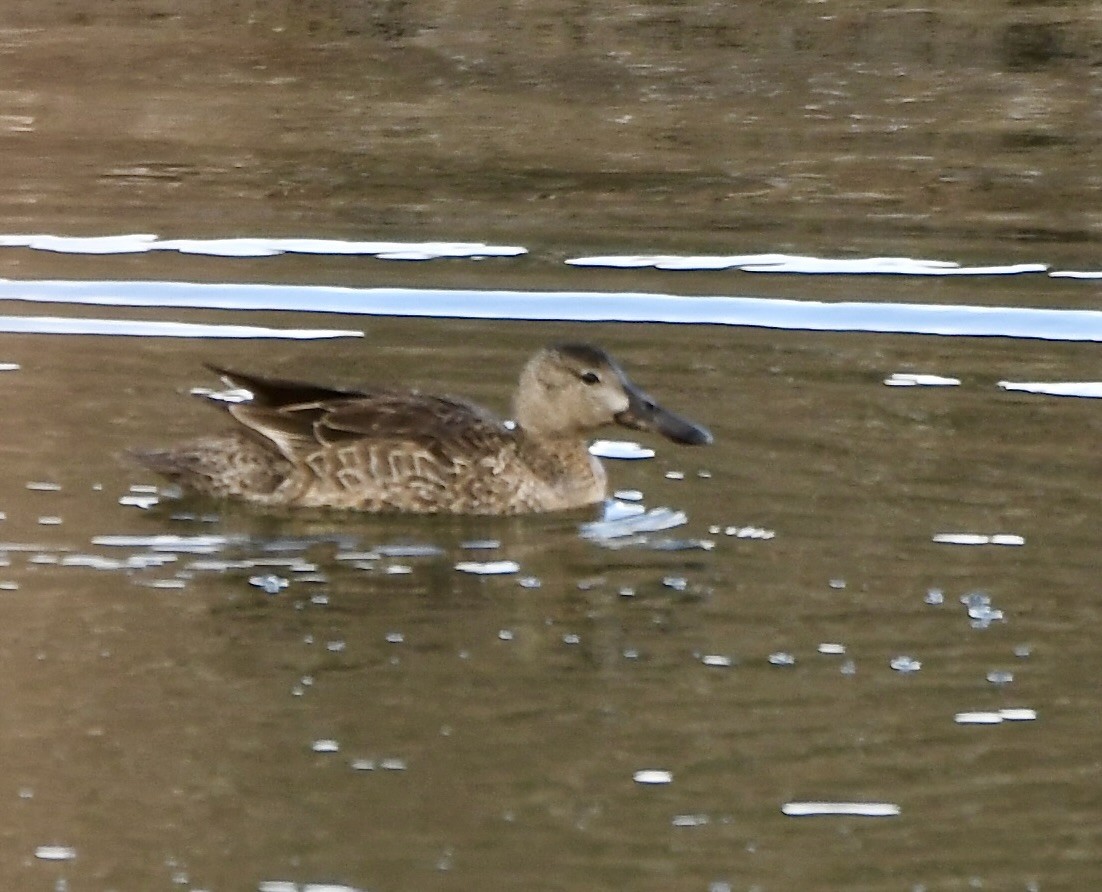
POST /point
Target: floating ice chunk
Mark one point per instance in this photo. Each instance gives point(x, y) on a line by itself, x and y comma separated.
point(288, 886)
point(1000, 676)
point(9, 366)
point(488, 568)
point(168, 542)
point(718, 660)
point(675, 475)
point(505, 634)
point(655, 520)
point(49, 521)
point(855, 809)
point(978, 539)
point(628, 495)
point(905, 664)
point(782, 658)
point(1088, 389)
point(55, 853)
point(831, 648)
point(978, 718)
point(102, 244)
point(269, 583)
point(326, 745)
point(43, 486)
point(934, 597)
point(689, 820)
point(652, 776)
point(1076, 274)
point(134, 500)
point(1018, 714)
point(907, 379)
point(409, 551)
point(623, 449)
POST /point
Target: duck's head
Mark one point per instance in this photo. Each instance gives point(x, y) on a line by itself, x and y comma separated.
point(574, 389)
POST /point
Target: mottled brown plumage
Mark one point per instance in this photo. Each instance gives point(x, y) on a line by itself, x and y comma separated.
point(399, 450)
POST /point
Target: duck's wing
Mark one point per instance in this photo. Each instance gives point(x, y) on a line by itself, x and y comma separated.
point(279, 392)
point(436, 423)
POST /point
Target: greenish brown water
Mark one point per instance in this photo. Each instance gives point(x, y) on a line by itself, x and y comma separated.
point(166, 734)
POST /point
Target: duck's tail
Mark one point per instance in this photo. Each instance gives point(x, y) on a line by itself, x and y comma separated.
point(233, 466)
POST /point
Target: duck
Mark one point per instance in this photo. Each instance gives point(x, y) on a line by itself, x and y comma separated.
point(382, 449)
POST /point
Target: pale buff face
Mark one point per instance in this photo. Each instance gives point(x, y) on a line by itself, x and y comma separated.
point(569, 391)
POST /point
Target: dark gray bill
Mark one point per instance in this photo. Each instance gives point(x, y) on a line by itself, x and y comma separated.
point(644, 414)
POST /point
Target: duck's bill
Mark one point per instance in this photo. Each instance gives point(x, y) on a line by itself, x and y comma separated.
point(644, 414)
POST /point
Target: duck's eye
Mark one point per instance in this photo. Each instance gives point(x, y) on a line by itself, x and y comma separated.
point(590, 378)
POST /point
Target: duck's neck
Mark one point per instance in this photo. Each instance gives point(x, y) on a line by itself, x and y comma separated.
point(564, 462)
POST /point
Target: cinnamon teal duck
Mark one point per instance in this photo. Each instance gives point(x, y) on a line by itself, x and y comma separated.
point(381, 449)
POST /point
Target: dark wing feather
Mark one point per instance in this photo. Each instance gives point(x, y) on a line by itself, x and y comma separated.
point(279, 392)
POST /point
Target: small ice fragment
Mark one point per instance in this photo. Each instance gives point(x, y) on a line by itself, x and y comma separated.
point(398, 570)
point(138, 501)
point(1017, 714)
point(9, 366)
point(628, 495)
point(652, 776)
point(326, 745)
point(782, 658)
point(529, 582)
point(849, 667)
point(319, 600)
point(905, 664)
point(675, 475)
point(1000, 676)
point(392, 764)
point(488, 568)
point(269, 583)
point(363, 764)
point(934, 597)
point(480, 544)
point(409, 551)
point(907, 379)
point(49, 520)
point(43, 486)
point(718, 660)
point(856, 809)
point(505, 634)
point(334, 646)
point(571, 638)
point(1007, 539)
point(1023, 650)
point(689, 820)
point(622, 449)
point(978, 718)
point(830, 648)
point(962, 539)
point(55, 853)
point(677, 583)
point(395, 637)
point(837, 583)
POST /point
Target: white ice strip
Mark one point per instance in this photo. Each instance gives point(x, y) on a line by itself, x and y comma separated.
point(907, 379)
point(256, 247)
point(785, 263)
point(55, 853)
point(996, 717)
point(1076, 274)
point(1089, 389)
point(488, 568)
point(168, 542)
point(979, 539)
point(856, 809)
point(149, 329)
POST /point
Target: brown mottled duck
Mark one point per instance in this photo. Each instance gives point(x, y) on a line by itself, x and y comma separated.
point(382, 449)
